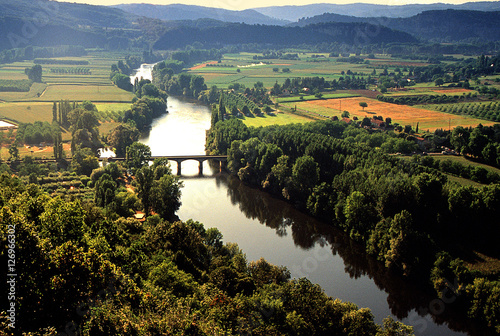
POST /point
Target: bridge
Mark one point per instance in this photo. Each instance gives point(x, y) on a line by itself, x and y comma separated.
point(222, 159)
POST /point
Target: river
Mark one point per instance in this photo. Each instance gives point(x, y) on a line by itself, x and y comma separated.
point(267, 227)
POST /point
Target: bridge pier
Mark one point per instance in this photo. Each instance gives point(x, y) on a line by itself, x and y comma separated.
point(179, 168)
point(200, 167)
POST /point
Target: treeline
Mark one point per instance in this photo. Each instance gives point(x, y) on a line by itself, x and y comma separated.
point(193, 56)
point(144, 110)
point(184, 84)
point(401, 212)
point(268, 54)
point(30, 52)
point(318, 84)
point(240, 33)
point(60, 61)
point(120, 74)
point(482, 143)
point(427, 99)
point(37, 132)
point(470, 172)
point(92, 267)
point(121, 71)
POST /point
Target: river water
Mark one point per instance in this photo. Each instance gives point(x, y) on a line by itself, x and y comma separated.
point(267, 227)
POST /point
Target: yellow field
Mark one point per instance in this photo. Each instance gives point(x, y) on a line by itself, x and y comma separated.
point(402, 114)
point(27, 112)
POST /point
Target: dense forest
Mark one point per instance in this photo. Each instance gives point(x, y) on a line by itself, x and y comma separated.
point(403, 212)
point(233, 33)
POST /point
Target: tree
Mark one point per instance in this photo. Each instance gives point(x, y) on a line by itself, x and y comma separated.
point(84, 161)
point(439, 82)
point(359, 213)
point(137, 155)
point(54, 112)
point(166, 195)
point(34, 73)
point(366, 122)
point(305, 172)
point(363, 105)
point(345, 114)
point(104, 191)
point(14, 152)
point(85, 133)
point(121, 137)
point(144, 178)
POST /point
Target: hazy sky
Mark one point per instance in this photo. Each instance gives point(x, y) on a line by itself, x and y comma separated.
point(244, 4)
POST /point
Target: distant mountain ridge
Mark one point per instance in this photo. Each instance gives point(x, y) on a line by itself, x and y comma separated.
point(51, 23)
point(237, 33)
point(192, 12)
point(294, 13)
point(53, 12)
point(442, 25)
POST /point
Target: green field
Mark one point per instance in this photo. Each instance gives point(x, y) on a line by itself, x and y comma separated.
point(278, 118)
point(464, 161)
point(37, 103)
point(312, 97)
point(247, 71)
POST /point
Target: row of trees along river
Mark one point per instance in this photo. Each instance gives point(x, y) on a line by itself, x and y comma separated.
point(267, 227)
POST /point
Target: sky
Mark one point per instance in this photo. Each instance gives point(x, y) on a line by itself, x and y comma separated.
point(245, 4)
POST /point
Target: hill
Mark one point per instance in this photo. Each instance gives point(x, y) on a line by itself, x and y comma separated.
point(190, 12)
point(235, 33)
point(50, 23)
point(72, 14)
point(439, 25)
point(294, 13)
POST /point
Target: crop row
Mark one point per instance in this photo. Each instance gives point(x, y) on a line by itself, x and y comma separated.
point(488, 111)
point(8, 85)
point(77, 71)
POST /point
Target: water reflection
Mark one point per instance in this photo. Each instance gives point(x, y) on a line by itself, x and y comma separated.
point(406, 301)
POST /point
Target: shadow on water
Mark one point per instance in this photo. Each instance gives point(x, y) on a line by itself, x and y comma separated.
point(407, 301)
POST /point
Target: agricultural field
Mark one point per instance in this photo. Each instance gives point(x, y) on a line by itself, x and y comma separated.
point(428, 89)
point(484, 110)
point(64, 81)
point(242, 68)
point(277, 118)
point(95, 86)
point(312, 97)
point(27, 112)
point(401, 114)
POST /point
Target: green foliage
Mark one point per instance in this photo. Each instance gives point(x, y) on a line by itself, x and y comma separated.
point(144, 110)
point(123, 277)
point(8, 85)
point(399, 210)
point(137, 155)
point(84, 161)
point(121, 137)
point(34, 73)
